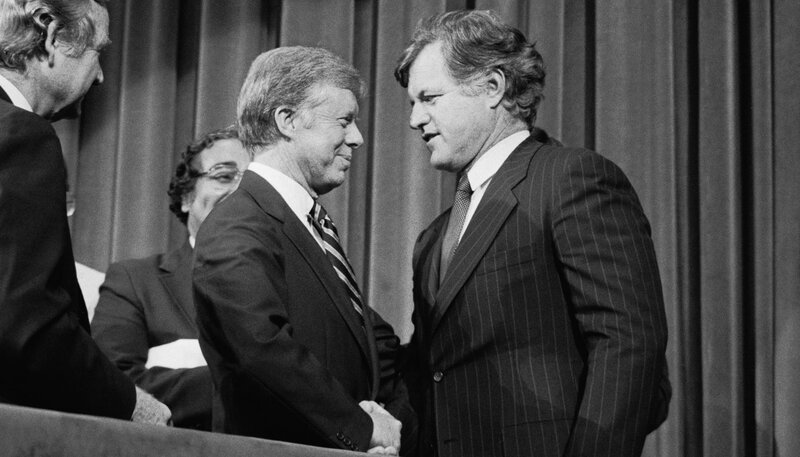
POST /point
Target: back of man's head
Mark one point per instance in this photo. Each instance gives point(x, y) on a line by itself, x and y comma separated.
point(24, 23)
point(284, 77)
point(475, 42)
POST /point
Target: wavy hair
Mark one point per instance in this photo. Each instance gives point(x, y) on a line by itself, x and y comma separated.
point(476, 42)
point(24, 23)
point(284, 77)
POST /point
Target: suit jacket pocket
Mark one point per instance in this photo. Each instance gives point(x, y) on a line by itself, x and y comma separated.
point(546, 437)
point(495, 260)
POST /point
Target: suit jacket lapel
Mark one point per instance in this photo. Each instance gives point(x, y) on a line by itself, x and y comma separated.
point(426, 268)
point(4, 96)
point(492, 212)
point(271, 202)
point(176, 276)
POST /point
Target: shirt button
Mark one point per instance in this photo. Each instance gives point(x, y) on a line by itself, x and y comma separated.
point(438, 376)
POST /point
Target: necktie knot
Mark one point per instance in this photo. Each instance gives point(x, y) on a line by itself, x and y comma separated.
point(464, 185)
point(318, 213)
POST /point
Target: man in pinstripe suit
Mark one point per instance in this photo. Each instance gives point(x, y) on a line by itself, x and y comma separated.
point(539, 319)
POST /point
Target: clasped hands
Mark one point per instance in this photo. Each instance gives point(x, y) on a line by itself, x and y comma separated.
point(385, 431)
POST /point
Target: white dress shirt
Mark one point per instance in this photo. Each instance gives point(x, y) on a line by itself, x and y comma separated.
point(14, 94)
point(484, 169)
point(298, 199)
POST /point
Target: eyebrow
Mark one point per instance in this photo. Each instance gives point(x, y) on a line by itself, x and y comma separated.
point(426, 92)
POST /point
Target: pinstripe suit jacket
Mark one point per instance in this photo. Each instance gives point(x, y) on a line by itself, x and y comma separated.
point(547, 335)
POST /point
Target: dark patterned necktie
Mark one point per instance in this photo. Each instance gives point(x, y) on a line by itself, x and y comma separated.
point(457, 215)
point(330, 238)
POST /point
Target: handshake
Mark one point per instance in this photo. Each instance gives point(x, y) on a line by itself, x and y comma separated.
point(385, 429)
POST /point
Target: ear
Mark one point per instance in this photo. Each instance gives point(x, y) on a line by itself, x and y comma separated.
point(286, 120)
point(186, 202)
point(495, 87)
point(44, 20)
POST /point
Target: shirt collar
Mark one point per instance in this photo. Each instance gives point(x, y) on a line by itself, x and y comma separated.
point(487, 165)
point(14, 94)
point(298, 199)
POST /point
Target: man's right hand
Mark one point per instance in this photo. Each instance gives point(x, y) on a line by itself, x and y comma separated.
point(148, 410)
point(385, 428)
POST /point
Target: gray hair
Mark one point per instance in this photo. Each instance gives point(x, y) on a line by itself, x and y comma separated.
point(23, 28)
point(284, 77)
point(475, 43)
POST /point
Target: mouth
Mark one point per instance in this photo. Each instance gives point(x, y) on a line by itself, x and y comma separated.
point(347, 160)
point(426, 137)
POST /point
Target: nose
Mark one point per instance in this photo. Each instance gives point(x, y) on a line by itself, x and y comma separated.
point(419, 116)
point(353, 137)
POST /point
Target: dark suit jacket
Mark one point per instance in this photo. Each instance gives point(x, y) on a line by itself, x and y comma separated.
point(146, 303)
point(289, 357)
point(547, 335)
point(47, 356)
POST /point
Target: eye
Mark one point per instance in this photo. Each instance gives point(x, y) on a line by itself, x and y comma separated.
point(346, 121)
point(222, 174)
point(429, 98)
point(224, 178)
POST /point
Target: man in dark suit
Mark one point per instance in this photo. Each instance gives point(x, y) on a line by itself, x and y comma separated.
point(145, 318)
point(539, 319)
point(48, 60)
point(295, 352)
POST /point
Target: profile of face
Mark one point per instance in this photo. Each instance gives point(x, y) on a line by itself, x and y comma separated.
point(455, 124)
point(325, 135)
point(72, 76)
point(220, 167)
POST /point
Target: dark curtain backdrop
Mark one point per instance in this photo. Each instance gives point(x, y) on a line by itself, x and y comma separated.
point(698, 102)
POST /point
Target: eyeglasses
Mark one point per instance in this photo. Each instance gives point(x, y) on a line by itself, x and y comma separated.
point(221, 173)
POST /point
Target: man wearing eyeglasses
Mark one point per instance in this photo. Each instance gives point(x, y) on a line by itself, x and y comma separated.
point(145, 318)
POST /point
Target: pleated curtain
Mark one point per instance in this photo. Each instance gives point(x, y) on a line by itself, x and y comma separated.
point(698, 102)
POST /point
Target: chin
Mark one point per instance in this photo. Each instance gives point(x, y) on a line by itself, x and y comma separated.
point(329, 186)
point(443, 165)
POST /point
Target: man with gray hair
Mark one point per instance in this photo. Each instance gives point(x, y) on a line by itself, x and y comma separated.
point(539, 324)
point(295, 352)
point(49, 58)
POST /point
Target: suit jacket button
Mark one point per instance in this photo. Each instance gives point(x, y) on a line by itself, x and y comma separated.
point(438, 376)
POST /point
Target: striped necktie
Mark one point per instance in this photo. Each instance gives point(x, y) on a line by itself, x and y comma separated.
point(330, 238)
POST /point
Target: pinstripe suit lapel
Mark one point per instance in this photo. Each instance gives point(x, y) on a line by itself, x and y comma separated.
point(490, 216)
point(432, 275)
point(427, 251)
